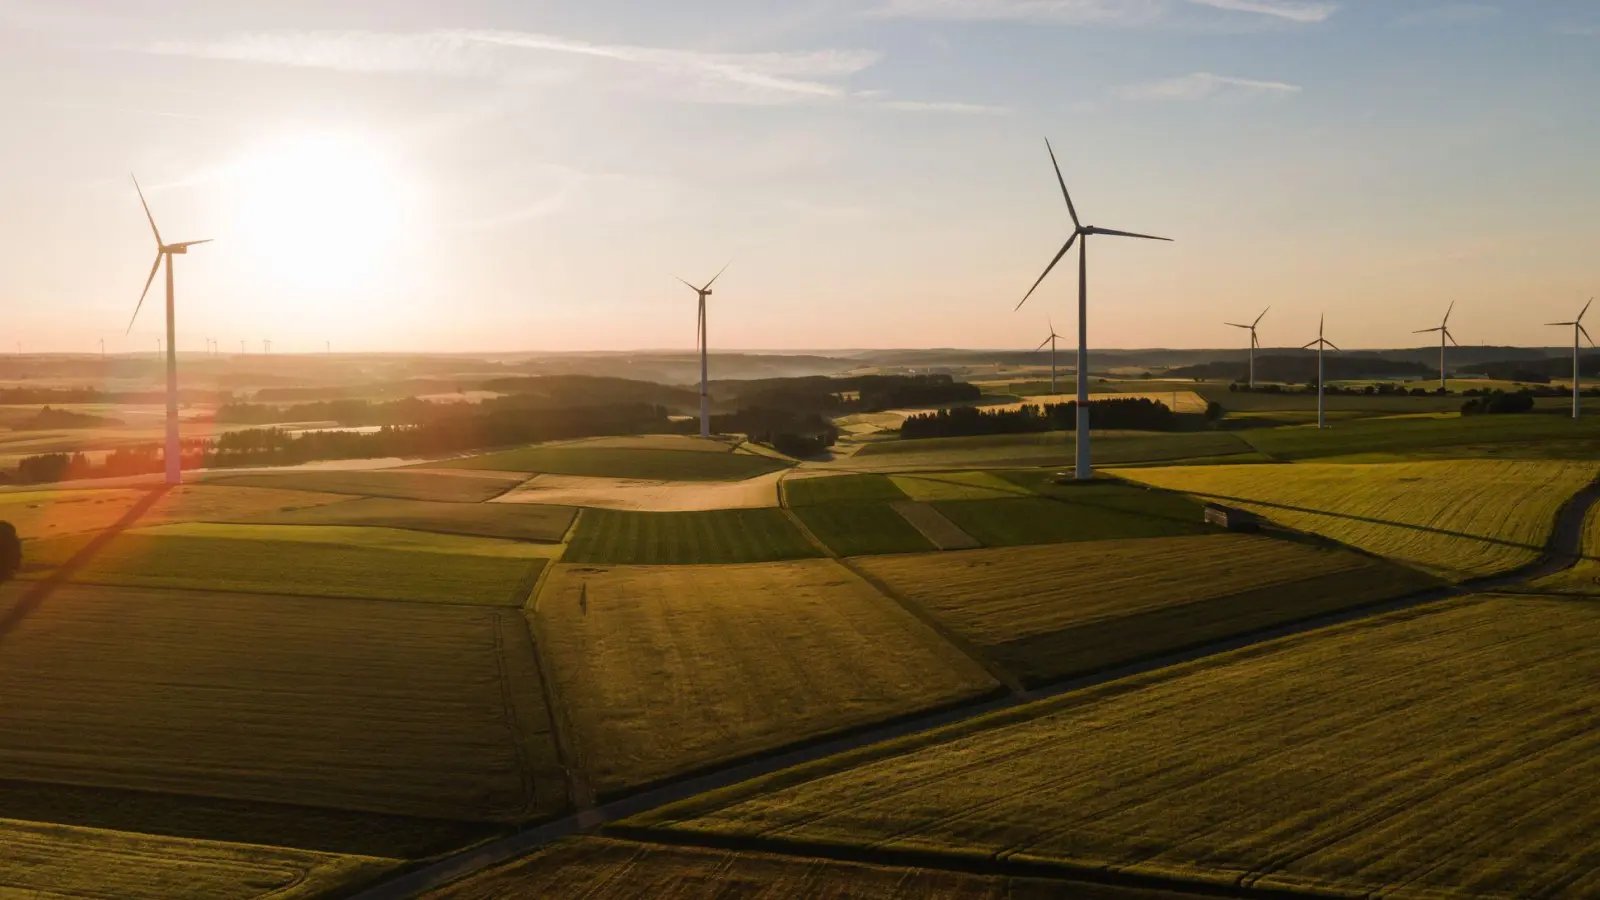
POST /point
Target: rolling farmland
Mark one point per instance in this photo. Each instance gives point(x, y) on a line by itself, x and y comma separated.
point(1584, 578)
point(1448, 751)
point(957, 486)
point(393, 708)
point(402, 484)
point(854, 529)
point(56, 513)
point(1116, 513)
point(324, 561)
point(1402, 436)
point(1110, 448)
point(524, 521)
point(47, 861)
point(625, 462)
point(1045, 613)
point(662, 670)
point(646, 496)
point(714, 536)
point(840, 489)
point(1457, 519)
point(605, 869)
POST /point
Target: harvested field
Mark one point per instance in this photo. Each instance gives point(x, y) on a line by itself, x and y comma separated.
point(403, 484)
point(853, 529)
point(656, 442)
point(939, 530)
point(1584, 578)
point(605, 869)
point(1084, 514)
point(1050, 448)
point(401, 708)
point(321, 561)
point(840, 489)
point(39, 860)
point(625, 462)
point(929, 486)
point(55, 513)
point(1457, 519)
point(1045, 613)
point(1448, 751)
point(646, 496)
point(517, 521)
point(663, 670)
point(712, 536)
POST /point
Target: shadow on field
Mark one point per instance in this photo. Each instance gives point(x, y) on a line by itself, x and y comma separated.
point(1371, 521)
point(41, 590)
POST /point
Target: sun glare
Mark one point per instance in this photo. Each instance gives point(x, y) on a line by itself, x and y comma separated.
point(323, 211)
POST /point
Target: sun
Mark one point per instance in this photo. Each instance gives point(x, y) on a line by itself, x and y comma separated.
point(323, 212)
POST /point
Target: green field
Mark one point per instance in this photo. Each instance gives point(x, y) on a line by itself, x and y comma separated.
point(624, 462)
point(39, 860)
point(840, 489)
point(1050, 448)
point(55, 513)
point(394, 709)
point(714, 536)
point(1582, 579)
point(1107, 510)
point(1447, 751)
point(1044, 613)
point(1457, 519)
point(1403, 436)
point(320, 561)
point(517, 521)
point(854, 529)
point(403, 484)
point(666, 669)
point(604, 869)
point(931, 486)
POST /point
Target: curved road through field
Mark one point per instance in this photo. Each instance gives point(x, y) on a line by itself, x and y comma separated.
point(1562, 551)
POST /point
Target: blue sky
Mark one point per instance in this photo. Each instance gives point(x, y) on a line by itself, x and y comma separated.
point(499, 176)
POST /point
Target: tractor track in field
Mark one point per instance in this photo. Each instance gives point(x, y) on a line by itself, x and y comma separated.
point(1562, 550)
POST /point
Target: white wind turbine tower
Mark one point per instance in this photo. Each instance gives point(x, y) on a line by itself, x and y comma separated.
point(700, 338)
point(165, 251)
point(1320, 343)
point(1081, 469)
point(1051, 340)
point(1577, 329)
point(1444, 335)
point(1254, 342)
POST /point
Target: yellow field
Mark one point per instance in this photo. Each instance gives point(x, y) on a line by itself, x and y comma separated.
point(1583, 578)
point(54, 861)
point(401, 708)
point(53, 513)
point(645, 495)
point(666, 669)
point(1445, 752)
point(1044, 612)
point(1455, 518)
point(604, 869)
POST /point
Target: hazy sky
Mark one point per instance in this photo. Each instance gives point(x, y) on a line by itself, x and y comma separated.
point(514, 174)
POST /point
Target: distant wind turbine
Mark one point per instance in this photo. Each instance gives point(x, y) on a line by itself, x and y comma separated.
point(165, 251)
point(1051, 340)
point(1320, 343)
point(700, 338)
point(1081, 470)
point(266, 346)
point(1444, 335)
point(1577, 329)
point(102, 348)
point(241, 348)
point(1254, 341)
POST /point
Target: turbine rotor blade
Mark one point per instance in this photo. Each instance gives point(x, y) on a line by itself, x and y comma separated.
point(1312, 344)
point(1042, 343)
point(1237, 325)
point(1064, 248)
point(687, 284)
point(187, 244)
point(718, 275)
point(1451, 337)
point(1333, 345)
point(1447, 312)
point(1560, 323)
point(1260, 317)
point(147, 282)
point(1585, 308)
point(1132, 234)
point(1586, 335)
point(1063, 182)
point(1428, 330)
point(146, 209)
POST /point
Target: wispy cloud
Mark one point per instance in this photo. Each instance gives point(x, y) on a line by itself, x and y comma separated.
point(1098, 12)
point(946, 106)
point(755, 78)
point(1450, 14)
point(1200, 85)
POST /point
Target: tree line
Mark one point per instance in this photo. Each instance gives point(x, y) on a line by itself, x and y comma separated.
point(1133, 413)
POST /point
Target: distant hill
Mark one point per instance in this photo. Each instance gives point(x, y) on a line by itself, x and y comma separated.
point(1536, 371)
point(1302, 368)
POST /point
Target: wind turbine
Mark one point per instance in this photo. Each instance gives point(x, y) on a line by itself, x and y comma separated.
point(1444, 334)
point(266, 346)
point(102, 348)
point(1254, 342)
point(1051, 340)
point(241, 348)
point(1081, 469)
point(700, 338)
point(1320, 343)
point(1577, 329)
point(165, 251)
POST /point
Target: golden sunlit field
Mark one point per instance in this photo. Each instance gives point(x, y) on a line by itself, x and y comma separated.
point(400, 708)
point(1444, 752)
point(1457, 519)
point(54, 513)
point(663, 670)
point(1048, 612)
